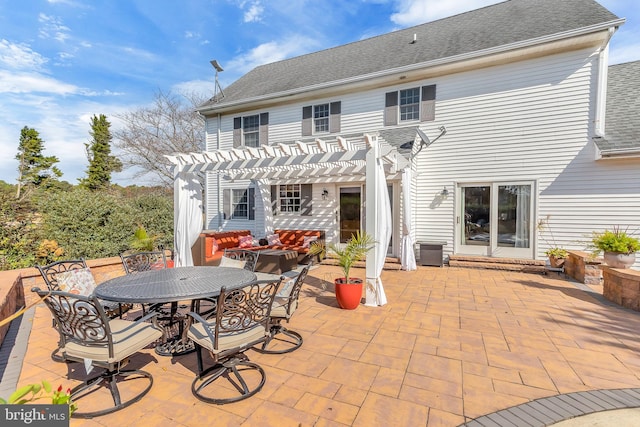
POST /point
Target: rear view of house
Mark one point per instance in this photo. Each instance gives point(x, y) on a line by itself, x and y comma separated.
point(500, 114)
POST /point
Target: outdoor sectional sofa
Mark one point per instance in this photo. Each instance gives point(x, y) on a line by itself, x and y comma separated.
point(204, 254)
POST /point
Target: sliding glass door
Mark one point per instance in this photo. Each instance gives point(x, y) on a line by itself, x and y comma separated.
point(495, 219)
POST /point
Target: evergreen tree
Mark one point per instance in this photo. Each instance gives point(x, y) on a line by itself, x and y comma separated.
point(101, 162)
point(35, 169)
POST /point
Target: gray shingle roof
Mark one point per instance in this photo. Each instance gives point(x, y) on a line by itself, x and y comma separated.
point(622, 119)
point(492, 26)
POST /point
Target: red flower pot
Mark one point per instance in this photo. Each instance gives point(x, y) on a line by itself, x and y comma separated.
point(348, 294)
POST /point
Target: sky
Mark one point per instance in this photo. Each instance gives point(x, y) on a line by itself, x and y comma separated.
point(63, 61)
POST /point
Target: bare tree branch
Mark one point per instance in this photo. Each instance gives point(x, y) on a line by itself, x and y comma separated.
point(169, 125)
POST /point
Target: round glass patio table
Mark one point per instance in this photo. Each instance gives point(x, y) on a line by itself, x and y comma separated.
point(171, 285)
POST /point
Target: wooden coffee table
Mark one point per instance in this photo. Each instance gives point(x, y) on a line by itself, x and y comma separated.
point(276, 261)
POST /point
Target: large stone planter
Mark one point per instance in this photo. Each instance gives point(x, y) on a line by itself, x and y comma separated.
point(619, 259)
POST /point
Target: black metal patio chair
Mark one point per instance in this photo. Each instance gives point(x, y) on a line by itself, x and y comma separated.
point(240, 321)
point(87, 334)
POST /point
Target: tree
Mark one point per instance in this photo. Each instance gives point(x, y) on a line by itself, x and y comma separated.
point(163, 128)
point(35, 169)
point(101, 162)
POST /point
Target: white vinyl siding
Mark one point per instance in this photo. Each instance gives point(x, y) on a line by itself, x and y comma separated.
point(525, 121)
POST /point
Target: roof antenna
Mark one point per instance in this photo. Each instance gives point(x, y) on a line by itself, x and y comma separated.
point(217, 88)
point(415, 38)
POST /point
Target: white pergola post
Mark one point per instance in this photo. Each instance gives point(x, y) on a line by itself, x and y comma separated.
point(371, 222)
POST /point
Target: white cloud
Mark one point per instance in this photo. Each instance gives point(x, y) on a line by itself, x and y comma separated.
point(271, 52)
point(254, 14)
point(200, 87)
point(33, 82)
point(414, 12)
point(19, 56)
point(52, 27)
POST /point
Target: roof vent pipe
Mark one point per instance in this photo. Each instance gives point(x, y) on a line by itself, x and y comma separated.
point(415, 37)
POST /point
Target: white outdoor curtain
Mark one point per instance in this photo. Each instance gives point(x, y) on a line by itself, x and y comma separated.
point(382, 237)
point(407, 254)
point(264, 189)
point(187, 217)
point(523, 209)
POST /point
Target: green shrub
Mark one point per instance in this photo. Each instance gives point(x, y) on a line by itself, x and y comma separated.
point(615, 241)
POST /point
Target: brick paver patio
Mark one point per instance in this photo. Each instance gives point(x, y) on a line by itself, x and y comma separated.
point(451, 345)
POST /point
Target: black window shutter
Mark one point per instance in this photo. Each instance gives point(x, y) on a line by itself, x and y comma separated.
point(391, 108)
point(305, 202)
point(428, 107)
point(335, 109)
point(237, 132)
point(274, 199)
point(307, 121)
point(264, 129)
point(226, 203)
point(252, 203)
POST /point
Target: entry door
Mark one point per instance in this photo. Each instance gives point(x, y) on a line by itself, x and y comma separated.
point(350, 212)
point(495, 219)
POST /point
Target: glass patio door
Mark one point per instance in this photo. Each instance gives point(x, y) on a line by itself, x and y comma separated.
point(495, 219)
point(350, 212)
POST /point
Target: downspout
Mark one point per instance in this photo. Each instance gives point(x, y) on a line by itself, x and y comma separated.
point(218, 177)
point(601, 86)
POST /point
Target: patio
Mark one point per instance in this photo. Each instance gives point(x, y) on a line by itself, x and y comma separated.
point(452, 344)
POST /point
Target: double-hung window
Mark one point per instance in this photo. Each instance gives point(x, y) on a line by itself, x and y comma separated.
point(409, 104)
point(321, 118)
point(412, 104)
point(251, 131)
point(290, 198)
point(239, 204)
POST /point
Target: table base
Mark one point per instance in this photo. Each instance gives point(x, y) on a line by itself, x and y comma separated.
point(175, 347)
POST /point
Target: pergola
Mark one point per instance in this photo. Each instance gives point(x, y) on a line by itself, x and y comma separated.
point(337, 159)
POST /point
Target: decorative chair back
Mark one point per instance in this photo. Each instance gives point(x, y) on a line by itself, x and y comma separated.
point(78, 319)
point(249, 257)
point(50, 271)
point(143, 261)
point(292, 300)
point(244, 309)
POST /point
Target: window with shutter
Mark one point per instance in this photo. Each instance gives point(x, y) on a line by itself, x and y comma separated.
point(292, 199)
point(251, 131)
point(411, 104)
point(321, 118)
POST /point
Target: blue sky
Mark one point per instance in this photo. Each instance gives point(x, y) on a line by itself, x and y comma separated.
point(62, 61)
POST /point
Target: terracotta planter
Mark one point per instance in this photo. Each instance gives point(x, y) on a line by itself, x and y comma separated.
point(619, 259)
point(556, 262)
point(348, 294)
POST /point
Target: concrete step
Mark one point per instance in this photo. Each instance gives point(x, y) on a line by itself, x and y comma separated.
point(390, 263)
point(506, 264)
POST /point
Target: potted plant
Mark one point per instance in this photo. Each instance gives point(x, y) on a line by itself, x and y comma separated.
point(348, 289)
point(555, 253)
point(618, 247)
point(556, 256)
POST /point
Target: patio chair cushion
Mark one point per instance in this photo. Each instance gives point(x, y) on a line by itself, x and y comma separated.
point(273, 239)
point(279, 308)
point(245, 241)
point(225, 261)
point(226, 341)
point(128, 338)
point(79, 281)
point(306, 240)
